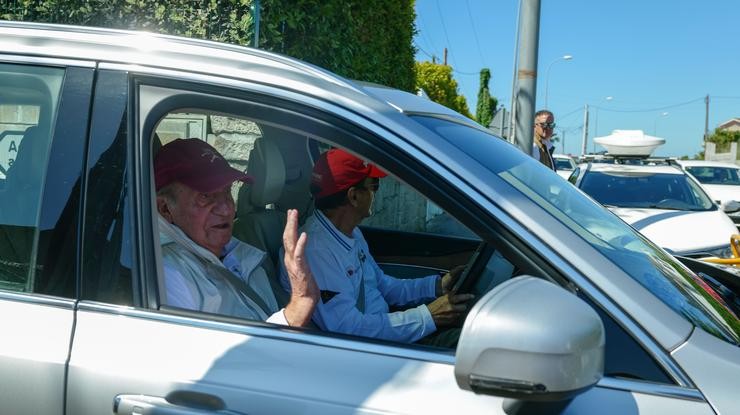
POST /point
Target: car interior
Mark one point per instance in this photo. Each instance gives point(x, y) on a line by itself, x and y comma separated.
point(280, 162)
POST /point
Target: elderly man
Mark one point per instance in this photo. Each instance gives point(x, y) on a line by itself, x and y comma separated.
point(542, 147)
point(355, 293)
point(205, 268)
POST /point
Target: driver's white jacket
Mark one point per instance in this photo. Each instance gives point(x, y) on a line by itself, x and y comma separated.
point(339, 264)
point(195, 279)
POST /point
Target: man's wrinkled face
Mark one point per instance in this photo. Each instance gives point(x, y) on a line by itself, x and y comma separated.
point(207, 218)
point(543, 126)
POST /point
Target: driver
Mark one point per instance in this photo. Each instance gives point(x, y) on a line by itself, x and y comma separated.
point(354, 292)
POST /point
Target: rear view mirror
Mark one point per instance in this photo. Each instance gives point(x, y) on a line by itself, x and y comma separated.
point(531, 340)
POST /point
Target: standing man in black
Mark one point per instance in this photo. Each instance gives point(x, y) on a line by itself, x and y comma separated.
point(542, 147)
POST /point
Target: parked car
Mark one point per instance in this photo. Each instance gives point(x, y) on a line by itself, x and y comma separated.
point(662, 201)
point(575, 311)
point(564, 165)
point(721, 180)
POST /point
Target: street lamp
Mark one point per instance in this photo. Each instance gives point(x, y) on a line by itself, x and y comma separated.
point(655, 124)
point(547, 75)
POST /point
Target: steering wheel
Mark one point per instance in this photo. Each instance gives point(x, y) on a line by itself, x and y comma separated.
point(460, 285)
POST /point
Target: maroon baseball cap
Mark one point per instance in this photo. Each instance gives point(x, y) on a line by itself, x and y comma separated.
point(337, 170)
point(196, 164)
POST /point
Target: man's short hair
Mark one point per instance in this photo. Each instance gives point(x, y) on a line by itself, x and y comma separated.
point(544, 112)
point(334, 200)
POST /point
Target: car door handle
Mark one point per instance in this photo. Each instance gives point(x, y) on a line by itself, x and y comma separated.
point(175, 403)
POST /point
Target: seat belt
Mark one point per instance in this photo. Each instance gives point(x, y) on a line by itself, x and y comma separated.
point(360, 303)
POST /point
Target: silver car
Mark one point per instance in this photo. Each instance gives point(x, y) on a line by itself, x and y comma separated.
point(575, 312)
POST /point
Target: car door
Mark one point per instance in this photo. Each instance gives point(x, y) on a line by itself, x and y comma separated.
point(43, 123)
point(134, 354)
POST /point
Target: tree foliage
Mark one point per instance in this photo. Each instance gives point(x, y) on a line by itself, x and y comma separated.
point(369, 40)
point(486, 106)
point(436, 80)
point(723, 138)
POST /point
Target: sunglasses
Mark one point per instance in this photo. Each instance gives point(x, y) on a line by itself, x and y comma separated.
point(548, 125)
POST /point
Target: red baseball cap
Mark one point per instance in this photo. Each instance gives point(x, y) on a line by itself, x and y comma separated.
point(337, 170)
point(196, 164)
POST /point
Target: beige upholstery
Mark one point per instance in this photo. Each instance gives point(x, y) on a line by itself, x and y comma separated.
point(257, 222)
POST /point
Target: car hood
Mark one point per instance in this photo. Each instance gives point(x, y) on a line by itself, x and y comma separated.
point(679, 230)
point(722, 193)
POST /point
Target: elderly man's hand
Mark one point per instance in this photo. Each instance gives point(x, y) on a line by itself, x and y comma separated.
point(304, 291)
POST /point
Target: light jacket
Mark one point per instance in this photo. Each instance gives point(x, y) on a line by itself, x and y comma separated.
point(198, 280)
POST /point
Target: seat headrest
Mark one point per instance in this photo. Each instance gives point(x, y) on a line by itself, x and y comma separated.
point(28, 166)
point(267, 168)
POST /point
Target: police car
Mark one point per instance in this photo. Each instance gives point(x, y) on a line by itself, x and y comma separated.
point(659, 199)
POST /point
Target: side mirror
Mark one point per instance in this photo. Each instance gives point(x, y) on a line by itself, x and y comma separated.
point(531, 340)
point(730, 206)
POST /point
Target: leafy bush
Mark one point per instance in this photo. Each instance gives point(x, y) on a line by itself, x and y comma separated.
point(436, 80)
point(368, 40)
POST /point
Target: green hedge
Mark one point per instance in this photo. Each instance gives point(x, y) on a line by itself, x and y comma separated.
point(368, 40)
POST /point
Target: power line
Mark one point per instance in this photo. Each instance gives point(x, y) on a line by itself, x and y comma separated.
point(423, 51)
point(649, 109)
point(444, 28)
point(475, 34)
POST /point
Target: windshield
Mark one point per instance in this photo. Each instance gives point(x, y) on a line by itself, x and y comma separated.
point(564, 164)
point(653, 268)
point(715, 175)
point(639, 189)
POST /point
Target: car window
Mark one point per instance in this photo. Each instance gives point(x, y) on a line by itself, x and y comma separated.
point(564, 164)
point(645, 190)
point(30, 99)
point(715, 175)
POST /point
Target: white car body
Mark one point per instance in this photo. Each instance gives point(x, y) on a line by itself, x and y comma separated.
point(682, 231)
point(722, 189)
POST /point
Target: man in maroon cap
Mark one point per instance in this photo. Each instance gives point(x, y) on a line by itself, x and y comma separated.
point(354, 292)
point(205, 268)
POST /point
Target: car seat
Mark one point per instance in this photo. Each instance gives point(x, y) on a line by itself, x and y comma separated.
point(257, 222)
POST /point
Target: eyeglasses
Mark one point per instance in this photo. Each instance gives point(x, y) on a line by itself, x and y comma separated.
point(548, 125)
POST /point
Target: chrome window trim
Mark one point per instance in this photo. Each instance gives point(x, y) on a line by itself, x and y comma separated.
point(662, 358)
point(22, 59)
point(38, 299)
point(269, 331)
point(649, 388)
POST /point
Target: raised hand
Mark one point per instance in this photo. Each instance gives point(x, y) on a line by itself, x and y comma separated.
point(304, 291)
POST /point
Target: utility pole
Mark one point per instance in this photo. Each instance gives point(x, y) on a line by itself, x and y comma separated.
point(585, 130)
point(529, 34)
point(706, 120)
point(256, 11)
point(444, 62)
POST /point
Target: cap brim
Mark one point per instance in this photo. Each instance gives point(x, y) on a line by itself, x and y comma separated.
point(376, 173)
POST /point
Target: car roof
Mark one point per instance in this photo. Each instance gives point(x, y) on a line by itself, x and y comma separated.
point(708, 163)
point(635, 168)
point(562, 156)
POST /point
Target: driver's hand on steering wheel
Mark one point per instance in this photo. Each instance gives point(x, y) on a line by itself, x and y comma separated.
point(448, 280)
point(449, 310)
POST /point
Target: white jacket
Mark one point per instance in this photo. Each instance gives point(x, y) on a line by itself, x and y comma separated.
point(196, 279)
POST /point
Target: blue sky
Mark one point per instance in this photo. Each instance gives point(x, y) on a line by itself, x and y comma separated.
point(650, 56)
